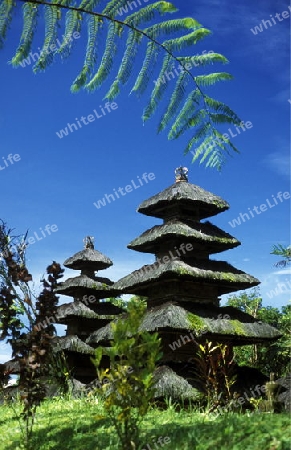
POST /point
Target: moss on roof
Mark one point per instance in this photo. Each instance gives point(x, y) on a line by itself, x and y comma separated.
point(190, 197)
point(212, 238)
point(239, 327)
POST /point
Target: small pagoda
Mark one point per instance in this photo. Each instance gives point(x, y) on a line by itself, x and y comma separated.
point(87, 313)
point(183, 287)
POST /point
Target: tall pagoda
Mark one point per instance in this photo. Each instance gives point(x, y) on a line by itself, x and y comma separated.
point(86, 313)
point(183, 286)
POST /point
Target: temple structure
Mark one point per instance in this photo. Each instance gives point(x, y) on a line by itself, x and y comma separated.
point(183, 286)
point(86, 313)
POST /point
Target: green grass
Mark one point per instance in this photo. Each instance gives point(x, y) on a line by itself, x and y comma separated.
point(77, 425)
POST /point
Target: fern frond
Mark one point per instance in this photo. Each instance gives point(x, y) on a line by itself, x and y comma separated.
point(214, 147)
point(212, 78)
point(113, 6)
point(107, 58)
point(199, 111)
point(221, 107)
point(181, 123)
point(189, 39)
point(147, 13)
point(6, 9)
point(218, 118)
point(201, 133)
point(202, 60)
point(73, 24)
point(93, 27)
point(175, 101)
point(29, 25)
point(171, 26)
point(147, 69)
point(52, 17)
point(159, 89)
point(126, 66)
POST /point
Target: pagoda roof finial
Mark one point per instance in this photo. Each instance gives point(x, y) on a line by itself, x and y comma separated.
point(181, 174)
point(89, 242)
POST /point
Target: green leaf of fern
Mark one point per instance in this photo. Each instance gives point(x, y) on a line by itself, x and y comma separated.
point(181, 123)
point(171, 26)
point(29, 25)
point(175, 101)
point(107, 58)
point(93, 27)
point(52, 16)
point(159, 89)
point(126, 66)
point(212, 78)
point(6, 9)
point(187, 40)
point(149, 64)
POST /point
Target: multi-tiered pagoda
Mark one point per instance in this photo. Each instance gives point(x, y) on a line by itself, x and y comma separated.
point(184, 285)
point(86, 313)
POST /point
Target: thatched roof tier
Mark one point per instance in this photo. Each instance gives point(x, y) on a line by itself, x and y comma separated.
point(204, 322)
point(88, 259)
point(69, 311)
point(83, 285)
point(71, 344)
point(218, 273)
point(204, 237)
point(168, 384)
point(185, 199)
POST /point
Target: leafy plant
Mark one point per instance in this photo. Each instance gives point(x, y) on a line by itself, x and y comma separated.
point(215, 370)
point(138, 33)
point(280, 250)
point(128, 385)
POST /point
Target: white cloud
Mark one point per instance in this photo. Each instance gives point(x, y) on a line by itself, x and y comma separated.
point(279, 162)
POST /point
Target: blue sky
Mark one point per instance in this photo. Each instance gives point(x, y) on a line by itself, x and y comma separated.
point(56, 181)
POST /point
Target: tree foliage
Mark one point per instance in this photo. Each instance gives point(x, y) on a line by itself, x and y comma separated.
point(142, 33)
point(268, 357)
point(285, 252)
point(21, 314)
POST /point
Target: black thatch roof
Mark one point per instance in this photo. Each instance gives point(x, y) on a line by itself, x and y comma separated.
point(169, 384)
point(74, 309)
point(84, 285)
point(201, 320)
point(212, 238)
point(189, 197)
point(223, 275)
point(71, 344)
point(88, 259)
point(69, 311)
